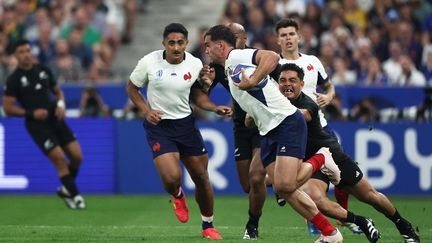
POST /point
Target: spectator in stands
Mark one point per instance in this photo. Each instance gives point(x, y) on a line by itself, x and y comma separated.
point(66, 67)
point(408, 42)
point(361, 54)
point(100, 70)
point(255, 27)
point(271, 16)
point(427, 64)
point(406, 14)
point(90, 36)
point(354, 16)
point(32, 32)
point(44, 46)
point(327, 55)
point(333, 111)
point(235, 12)
point(92, 104)
point(365, 111)
point(392, 65)
point(286, 7)
point(379, 43)
point(79, 49)
point(309, 42)
point(374, 75)
point(313, 17)
point(341, 75)
point(410, 76)
point(425, 107)
point(131, 111)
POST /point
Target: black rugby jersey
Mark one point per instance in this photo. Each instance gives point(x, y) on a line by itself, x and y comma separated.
point(32, 88)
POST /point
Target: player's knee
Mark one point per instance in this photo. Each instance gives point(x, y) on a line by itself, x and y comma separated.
point(283, 188)
point(256, 178)
point(76, 159)
point(200, 177)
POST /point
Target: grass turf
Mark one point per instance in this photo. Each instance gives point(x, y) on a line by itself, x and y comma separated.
point(122, 218)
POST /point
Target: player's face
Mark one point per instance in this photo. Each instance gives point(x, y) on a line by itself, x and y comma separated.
point(288, 39)
point(23, 55)
point(214, 49)
point(290, 84)
point(240, 40)
point(175, 45)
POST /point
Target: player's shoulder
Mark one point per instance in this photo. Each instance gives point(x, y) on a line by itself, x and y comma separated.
point(152, 57)
point(191, 59)
point(310, 58)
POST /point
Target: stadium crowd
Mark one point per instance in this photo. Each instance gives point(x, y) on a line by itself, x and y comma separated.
point(360, 43)
point(78, 40)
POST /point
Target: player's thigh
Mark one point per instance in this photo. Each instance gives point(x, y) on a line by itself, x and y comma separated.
point(285, 171)
point(256, 167)
point(73, 151)
point(43, 134)
point(168, 166)
point(315, 188)
point(245, 140)
point(196, 165)
point(362, 190)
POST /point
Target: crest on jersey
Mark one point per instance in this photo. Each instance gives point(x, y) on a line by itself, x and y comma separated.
point(24, 81)
point(187, 76)
point(310, 67)
point(43, 75)
point(159, 74)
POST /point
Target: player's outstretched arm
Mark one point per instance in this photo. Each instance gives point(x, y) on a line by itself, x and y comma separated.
point(202, 100)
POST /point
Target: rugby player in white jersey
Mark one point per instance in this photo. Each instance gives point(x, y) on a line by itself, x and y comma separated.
point(288, 39)
point(169, 76)
point(281, 125)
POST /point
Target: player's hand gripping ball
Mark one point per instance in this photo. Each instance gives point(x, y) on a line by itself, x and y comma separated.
point(249, 69)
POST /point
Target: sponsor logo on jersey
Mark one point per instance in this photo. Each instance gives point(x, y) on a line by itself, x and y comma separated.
point(236, 152)
point(282, 149)
point(38, 86)
point(43, 75)
point(357, 174)
point(48, 144)
point(310, 67)
point(156, 147)
point(187, 76)
point(24, 81)
point(159, 74)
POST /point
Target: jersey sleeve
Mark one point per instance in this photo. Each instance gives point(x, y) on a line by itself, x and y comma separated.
point(11, 87)
point(51, 79)
point(139, 76)
point(322, 75)
point(310, 106)
point(243, 56)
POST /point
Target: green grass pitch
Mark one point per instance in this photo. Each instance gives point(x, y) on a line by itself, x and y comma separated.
point(121, 218)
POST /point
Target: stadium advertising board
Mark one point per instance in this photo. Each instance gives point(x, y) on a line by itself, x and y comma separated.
point(24, 168)
point(397, 158)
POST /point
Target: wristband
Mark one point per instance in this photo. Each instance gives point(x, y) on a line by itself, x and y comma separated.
point(61, 104)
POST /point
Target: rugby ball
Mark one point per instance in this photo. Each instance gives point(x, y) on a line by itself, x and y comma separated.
point(249, 69)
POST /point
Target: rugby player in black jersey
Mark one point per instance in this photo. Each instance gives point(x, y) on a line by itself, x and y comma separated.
point(352, 180)
point(31, 85)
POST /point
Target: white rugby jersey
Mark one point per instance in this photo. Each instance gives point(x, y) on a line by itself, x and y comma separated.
point(315, 74)
point(168, 85)
point(267, 106)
